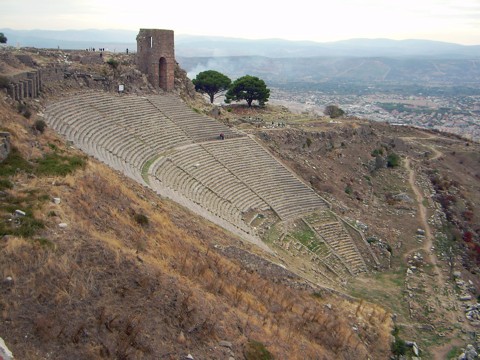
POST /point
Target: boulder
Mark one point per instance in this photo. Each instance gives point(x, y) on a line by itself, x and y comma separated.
point(471, 353)
point(226, 344)
point(20, 213)
point(5, 353)
point(421, 232)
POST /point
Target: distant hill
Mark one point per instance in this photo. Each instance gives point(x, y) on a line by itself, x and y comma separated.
point(355, 61)
point(208, 46)
point(347, 70)
point(114, 40)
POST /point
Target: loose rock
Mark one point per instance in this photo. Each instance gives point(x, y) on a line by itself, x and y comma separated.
point(5, 353)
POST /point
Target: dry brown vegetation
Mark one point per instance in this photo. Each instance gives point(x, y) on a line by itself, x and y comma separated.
point(110, 286)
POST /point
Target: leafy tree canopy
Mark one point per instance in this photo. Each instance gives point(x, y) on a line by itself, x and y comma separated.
point(248, 88)
point(333, 111)
point(211, 82)
point(3, 38)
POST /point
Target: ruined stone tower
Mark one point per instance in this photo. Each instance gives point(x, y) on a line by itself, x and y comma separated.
point(156, 57)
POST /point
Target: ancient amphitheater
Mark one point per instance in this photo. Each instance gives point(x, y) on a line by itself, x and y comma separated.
point(161, 143)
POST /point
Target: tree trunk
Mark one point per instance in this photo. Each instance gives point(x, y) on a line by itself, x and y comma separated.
point(211, 98)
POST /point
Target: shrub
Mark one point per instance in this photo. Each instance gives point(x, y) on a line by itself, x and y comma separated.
point(141, 219)
point(372, 240)
point(40, 126)
point(24, 110)
point(399, 347)
point(348, 190)
point(309, 142)
point(393, 160)
point(5, 184)
point(255, 350)
point(113, 63)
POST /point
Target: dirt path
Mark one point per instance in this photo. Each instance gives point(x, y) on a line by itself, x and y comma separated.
point(422, 211)
point(440, 351)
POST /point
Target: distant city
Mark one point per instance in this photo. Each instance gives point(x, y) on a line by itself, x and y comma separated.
point(454, 114)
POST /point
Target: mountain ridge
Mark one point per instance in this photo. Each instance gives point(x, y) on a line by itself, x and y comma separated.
point(197, 45)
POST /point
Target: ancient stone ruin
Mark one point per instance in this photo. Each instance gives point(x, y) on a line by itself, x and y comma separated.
point(156, 57)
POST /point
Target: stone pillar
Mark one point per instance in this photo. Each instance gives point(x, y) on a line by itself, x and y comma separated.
point(12, 91)
point(24, 89)
point(19, 91)
point(29, 88)
point(40, 80)
point(156, 57)
point(33, 77)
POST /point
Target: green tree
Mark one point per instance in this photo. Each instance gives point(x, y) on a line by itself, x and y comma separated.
point(248, 88)
point(393, 160)
point(333, 111)
point(211, 82)
point(3, 38)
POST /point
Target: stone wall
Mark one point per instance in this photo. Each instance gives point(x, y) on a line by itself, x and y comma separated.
point(156, 57)
point(29, 84)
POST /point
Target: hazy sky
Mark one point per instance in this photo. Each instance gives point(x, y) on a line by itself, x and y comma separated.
point(446, 20)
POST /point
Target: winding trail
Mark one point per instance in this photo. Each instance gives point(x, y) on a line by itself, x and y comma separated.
point(422, 210)
point(440, 281)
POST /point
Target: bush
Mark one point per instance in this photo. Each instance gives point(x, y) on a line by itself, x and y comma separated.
point(113, 63)
point(399, 347)
point(393, 160)
point(24, 110)
point(5, 184)
point(348, 190)
point(141, 219)
point(372, 240)
point(40, 126)
point(255, 350)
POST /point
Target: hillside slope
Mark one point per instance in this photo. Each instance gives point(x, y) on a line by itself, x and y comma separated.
point(100, 267)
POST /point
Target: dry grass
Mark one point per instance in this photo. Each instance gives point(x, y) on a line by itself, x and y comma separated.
point(115, 281)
